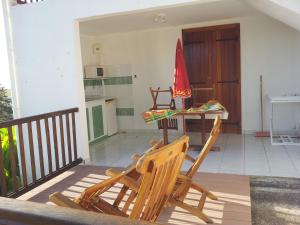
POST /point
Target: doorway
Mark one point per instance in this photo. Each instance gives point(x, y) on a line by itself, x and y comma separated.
point(212, 57)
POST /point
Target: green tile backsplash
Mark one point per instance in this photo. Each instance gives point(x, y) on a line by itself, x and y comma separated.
point(108, 81)
point(118, 80)
point(92, 82)
point(125, 111)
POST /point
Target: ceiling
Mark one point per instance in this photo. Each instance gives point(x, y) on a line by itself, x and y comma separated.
point(286, 11)
point(176, 15)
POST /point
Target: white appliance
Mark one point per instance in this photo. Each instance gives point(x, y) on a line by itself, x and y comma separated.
point(94, 71)
point(111, 116)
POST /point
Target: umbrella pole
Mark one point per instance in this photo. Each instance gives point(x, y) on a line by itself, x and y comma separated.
point(183, 120)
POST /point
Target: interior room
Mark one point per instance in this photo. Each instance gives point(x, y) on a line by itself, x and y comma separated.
point(136, 51)
point(137, 112)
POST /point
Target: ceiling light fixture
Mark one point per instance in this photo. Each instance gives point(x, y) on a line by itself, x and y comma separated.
point(160, 18)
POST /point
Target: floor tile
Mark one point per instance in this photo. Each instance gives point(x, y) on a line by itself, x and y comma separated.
point(240, 154)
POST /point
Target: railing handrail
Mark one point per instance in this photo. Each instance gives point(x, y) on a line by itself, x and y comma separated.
point(31, 213)
point(36, 117)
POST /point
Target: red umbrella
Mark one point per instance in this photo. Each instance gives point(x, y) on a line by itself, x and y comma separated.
point(181, 82)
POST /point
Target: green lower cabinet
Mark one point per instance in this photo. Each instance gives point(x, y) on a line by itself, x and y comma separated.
point(88, 122)
point(97, 113)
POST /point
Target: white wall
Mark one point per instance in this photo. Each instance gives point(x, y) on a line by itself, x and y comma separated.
point(49, 67)
point(268, 47)
point(4, 78)
point(47, 56)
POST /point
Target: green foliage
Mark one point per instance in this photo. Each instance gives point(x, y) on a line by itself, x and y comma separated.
point(7, 160)
point(6, 112)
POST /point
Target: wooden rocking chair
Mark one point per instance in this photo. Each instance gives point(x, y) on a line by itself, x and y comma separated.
point(185, 180)
point(158, 170)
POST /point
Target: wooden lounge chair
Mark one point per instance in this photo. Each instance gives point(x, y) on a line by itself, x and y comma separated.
point(158, 170)
point(184, 181)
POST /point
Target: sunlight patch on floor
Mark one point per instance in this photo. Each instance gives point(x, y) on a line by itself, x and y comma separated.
point(212, 208)
point(45, 186)
point(292, 212)
point(230, 208)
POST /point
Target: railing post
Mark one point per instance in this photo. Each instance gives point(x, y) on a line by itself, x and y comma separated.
point(2, 172)
point(12, 159)
point(22, 154)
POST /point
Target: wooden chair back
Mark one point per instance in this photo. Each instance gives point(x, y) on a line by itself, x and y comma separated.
point(214, 134)
point(159, 169)
point(172, 123)
point(156, 105)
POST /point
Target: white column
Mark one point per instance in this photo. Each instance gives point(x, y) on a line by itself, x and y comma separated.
point(7, 68)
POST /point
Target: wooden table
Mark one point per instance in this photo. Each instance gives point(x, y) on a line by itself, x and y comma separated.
point(196, 115)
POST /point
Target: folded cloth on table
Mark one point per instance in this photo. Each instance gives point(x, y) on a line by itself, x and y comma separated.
point(155, 115)
point(211, 105)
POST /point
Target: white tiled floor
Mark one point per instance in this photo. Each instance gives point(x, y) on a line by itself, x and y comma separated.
point(240, 154)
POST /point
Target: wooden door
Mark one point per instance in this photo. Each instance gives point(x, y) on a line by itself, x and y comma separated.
point(198, 57)
point(227, 66)
point(212, 57)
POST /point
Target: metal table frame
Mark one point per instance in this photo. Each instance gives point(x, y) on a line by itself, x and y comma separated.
point(284, 139)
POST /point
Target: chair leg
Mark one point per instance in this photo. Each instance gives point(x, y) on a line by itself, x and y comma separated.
point(130, 199)
point(100, 205)
point(202, 201)
point(120, 196)
point(203, 190)
point(194, 210)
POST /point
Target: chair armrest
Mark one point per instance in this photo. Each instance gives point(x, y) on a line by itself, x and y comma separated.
point(135, 157)
point(183, 178)
point(156, 144)
point(126, 180)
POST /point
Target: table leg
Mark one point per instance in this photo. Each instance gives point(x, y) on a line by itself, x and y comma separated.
point(165, 130)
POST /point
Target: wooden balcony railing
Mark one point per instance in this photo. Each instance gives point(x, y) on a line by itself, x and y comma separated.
point(23, 212)
point(28, 1)
point(35, 149)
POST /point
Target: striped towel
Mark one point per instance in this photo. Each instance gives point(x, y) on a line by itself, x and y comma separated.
point(155, 115)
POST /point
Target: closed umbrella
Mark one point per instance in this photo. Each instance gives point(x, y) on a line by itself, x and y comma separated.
point(181, 82)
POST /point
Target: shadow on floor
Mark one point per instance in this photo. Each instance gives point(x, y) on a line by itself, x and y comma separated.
point(233, 206)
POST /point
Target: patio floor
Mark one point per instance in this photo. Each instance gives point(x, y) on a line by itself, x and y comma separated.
point(232, 208)
point(240, 154)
